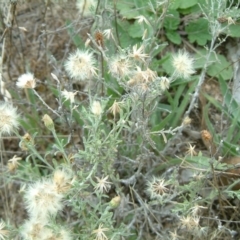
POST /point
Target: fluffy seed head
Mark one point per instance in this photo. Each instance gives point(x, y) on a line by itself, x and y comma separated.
point(42, 199)
point(80, 65)
point(62, 180)
point(26, 80)
point(120, 66)
point(183, 64)
point(8, 119)
point(32, 229)
point(86, 7)
point(164, 83)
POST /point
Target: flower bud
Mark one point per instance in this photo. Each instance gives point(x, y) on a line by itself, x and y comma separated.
point(115, 202)
point(48, 122)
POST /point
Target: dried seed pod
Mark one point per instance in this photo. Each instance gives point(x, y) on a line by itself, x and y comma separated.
point(208, 141)
point(99, 38)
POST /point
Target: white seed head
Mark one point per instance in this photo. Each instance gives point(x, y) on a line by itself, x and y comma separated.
point(42, 199)
point(80, 65)
point(183, 64)
point(120, 66)
point(164, 83)
point(26, 80)
point(8, 119)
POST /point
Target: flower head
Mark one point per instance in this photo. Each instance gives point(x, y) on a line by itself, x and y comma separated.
point(8, 118)
point(86, 7)
point(100, 235)
point(183, 64)
point(96, 108)
point(157, 187)
point(115, 108)
point(26, 80)
point(103, 185)
point(80, 65)
point(138, 54)
point(43, 199)
point(62, 180)
point(120, 66)
point(191, 150)
point(69, 95)
point(13, 164)
point(164, 83)
point(189, 222)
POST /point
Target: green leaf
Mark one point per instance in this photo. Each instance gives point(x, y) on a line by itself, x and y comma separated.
point(172, 20)
point(136, 30)
point(198, 31)
point(174, 37)
point(125, 39)
point(127, 9)
point(221, 67)
point(233, 30)
point(187, 4)
point(200, 58)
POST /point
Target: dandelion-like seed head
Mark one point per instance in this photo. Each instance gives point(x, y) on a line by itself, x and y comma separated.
point(96, 108)
point(8, 119)
point(164, 83)
point(62, 180)
point(102, 184)
point(183, 64)
point(32, 229)
point(142, 76)
point(42, 199)
point(120, 66)
point(26, 80)
point(86, 7)
point(80, 65)
point(157, 187)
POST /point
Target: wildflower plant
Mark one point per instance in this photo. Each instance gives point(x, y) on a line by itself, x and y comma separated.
point(108, 138)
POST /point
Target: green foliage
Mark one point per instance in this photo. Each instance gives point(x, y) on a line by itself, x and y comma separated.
point(136, 147)
point(198, 32)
